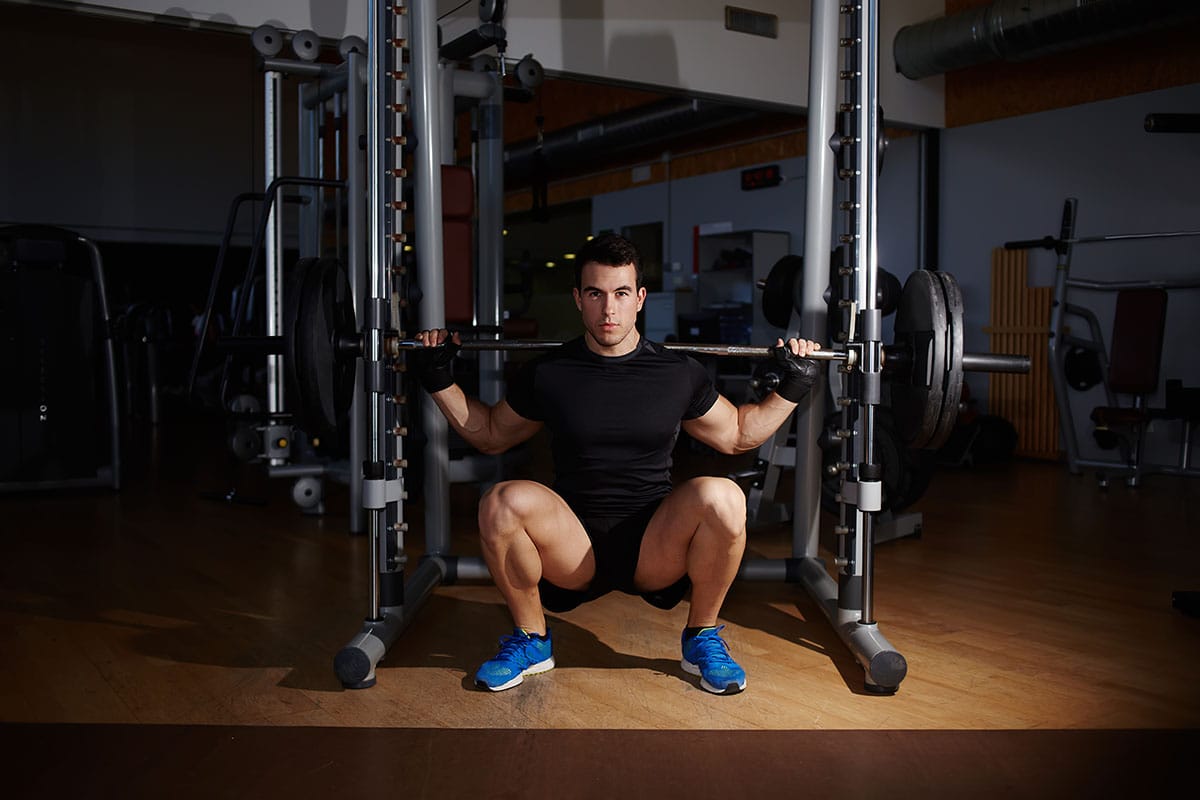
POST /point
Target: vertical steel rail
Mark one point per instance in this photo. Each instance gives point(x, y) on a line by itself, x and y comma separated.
point(308, 228)
point(272, 164)
point(818, 221)
point(427, 218)
point(379, 50)
point(490, 191)
point(839, 600)
point(1056, 353)
point(356, 213)
point(868, 135)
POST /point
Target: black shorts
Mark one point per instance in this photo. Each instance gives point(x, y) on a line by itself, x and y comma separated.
point(616, 543)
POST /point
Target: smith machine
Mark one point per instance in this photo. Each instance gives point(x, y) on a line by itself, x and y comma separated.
point(334, 330)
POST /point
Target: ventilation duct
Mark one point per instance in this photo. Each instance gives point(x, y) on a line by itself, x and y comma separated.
point(624, 131)
point(1015, 30)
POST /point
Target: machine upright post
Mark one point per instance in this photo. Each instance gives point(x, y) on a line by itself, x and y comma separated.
point(356, 213)
point(272, 161)
point(818, 219)
point(427, 217)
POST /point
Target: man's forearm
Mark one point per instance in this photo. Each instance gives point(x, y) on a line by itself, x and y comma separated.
point(470, 418)
point(757, 422)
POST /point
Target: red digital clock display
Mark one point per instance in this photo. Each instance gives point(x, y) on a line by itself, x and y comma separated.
point(761, 177)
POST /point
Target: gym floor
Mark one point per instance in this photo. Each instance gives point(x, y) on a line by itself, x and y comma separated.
point(156, 641)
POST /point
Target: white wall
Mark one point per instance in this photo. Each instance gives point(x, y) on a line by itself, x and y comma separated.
point(672, 44)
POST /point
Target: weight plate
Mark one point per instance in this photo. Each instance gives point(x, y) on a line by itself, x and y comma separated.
point(887, 291)
point(319, 312)
point(921, 329)
point(292, 294)
point(906, 473)
point(953, 375)
point(779, 289)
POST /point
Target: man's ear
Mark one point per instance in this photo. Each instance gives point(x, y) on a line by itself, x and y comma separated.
point(641, 296)
point(578, 299)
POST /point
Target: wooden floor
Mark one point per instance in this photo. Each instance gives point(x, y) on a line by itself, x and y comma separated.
point(1032, 601)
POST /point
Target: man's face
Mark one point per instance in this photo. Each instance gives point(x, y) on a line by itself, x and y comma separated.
point(609, 301)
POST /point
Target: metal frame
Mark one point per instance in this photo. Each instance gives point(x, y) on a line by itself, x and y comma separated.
point(394, 599)
point(344, 86)
point(1061, 341)
point(848, 602)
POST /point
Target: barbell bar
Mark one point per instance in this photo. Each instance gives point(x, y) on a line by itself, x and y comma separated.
point(923, 367)
point(971, 362)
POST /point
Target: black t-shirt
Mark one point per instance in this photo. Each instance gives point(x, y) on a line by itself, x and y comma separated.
point(613, 420)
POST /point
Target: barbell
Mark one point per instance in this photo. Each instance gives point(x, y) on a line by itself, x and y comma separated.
point(924, 366)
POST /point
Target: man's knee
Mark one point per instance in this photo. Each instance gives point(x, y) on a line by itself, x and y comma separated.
point(723, 497)
point(502, 509)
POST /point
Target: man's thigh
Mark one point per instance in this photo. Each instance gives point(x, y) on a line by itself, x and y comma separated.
point(561, 541)
point(664, 551)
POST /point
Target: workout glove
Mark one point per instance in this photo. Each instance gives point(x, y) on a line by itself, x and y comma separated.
point(431, 365)
point(799, 375)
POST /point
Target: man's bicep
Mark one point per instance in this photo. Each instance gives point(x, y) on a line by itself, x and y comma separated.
point(716, 427)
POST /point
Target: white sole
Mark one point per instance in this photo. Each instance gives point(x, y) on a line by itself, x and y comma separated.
point(692, 669)
point(533, 669)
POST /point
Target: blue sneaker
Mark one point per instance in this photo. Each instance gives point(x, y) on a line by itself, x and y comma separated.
point(707, 655)
point(520, 654)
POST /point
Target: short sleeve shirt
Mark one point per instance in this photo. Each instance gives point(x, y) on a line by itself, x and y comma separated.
point(613, 421)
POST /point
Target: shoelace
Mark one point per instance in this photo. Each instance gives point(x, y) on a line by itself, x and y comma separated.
point(711, 647)
point(511, 646)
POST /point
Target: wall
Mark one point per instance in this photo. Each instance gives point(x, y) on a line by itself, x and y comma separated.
point(1007, 179)
point(673, 44)
point(1002, 180)
point(127, 132)
point(717, 198)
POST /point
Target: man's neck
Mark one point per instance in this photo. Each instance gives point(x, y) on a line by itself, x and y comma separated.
point(621, 348)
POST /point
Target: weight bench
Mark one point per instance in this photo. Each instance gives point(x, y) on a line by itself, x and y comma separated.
point(1133, 370)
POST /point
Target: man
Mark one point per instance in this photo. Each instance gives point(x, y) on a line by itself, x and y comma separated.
point(614, 403)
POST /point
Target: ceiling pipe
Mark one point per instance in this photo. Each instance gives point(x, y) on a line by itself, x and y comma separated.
point(613, 135)
point(1016, 30)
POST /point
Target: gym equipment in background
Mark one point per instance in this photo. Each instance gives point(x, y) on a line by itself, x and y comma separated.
point(1128, 366)
point(59, 408)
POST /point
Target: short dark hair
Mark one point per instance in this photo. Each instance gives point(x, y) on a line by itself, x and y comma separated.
point(610, 250)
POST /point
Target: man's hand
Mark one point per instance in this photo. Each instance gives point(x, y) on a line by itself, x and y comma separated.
point(431, 364)
point(799, 373)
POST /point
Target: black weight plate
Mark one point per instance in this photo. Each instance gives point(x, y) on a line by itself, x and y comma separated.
point(292, 295)
point(778, 299)
point(904, 479)
point(324, 378)
point(953, 377)
point(887, 290)
point(921, 328)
